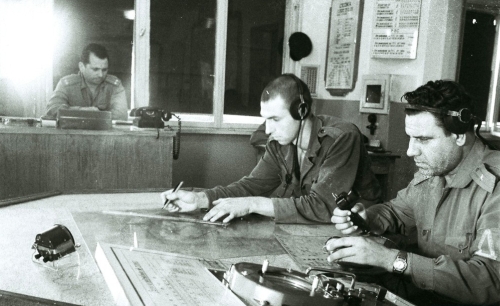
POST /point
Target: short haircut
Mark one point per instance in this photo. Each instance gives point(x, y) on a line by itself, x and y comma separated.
point(287, 87)
point(440, 94)
point(98, 50)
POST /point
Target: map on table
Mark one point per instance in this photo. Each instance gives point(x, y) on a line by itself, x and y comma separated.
point(146, 277)
point(306, 251)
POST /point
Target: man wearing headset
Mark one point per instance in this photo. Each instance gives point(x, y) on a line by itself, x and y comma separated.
point(452, 203)
point(307, 159)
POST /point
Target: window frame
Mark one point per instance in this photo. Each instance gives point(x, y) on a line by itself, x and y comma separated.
point(491, 124)
point(217, 121)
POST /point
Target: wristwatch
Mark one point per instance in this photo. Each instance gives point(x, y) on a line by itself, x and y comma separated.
point(400, 264)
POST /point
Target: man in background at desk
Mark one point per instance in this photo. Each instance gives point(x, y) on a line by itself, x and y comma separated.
point(92, 88)
point(453, 202)
point(307, 159)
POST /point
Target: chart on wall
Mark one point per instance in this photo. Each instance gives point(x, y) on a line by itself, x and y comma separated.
point(395, 30)
point(343, 46)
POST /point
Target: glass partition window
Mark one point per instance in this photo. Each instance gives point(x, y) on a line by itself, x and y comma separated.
point(78, 23)
point(185, 57)
point(25, 51)
point(480, 60)
point(182, 55)
point(207, 60)
point(254, 52)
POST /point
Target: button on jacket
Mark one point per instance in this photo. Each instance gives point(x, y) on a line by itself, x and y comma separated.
point(73, 91)
point(335, 161)
point(458, 228)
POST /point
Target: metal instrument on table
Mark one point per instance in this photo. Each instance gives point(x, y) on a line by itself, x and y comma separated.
point(54, 243)
point(140, 276)
point(261, 285)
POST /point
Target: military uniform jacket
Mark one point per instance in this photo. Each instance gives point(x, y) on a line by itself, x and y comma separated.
point(458, 228)
point(335, 161)
point(72, 92)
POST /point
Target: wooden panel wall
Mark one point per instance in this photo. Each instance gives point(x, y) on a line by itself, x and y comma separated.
point(73, 161)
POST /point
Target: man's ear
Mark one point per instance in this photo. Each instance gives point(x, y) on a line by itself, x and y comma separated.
point(460, 139)
point(81, 66)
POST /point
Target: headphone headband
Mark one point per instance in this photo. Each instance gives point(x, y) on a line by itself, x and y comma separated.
point(464, 115)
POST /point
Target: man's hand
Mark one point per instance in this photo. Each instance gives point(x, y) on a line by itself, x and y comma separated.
point(239, 207)
point(233, 207)
point(184, 201)
point(342, 220)
point(361, 250)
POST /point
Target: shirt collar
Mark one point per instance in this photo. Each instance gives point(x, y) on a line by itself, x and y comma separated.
point(83, 84)
point(314, 144)
point(471, 162)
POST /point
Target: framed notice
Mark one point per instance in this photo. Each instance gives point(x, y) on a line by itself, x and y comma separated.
point(375, 94)
point(395, 30)
point(343, 46)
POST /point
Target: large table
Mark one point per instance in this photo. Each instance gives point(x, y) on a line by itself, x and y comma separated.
point(87, 216)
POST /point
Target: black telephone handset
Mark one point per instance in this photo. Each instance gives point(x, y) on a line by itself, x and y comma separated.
point(346, 201)
point(155, 117)
point(150, 117)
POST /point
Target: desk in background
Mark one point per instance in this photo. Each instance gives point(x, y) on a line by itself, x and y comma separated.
point(383, 167)
point(37, 160)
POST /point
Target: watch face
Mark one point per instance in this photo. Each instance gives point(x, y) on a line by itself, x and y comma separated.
point(399, 265)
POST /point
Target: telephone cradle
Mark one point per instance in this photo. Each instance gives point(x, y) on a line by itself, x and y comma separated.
point(154, 117)
point(150, 117)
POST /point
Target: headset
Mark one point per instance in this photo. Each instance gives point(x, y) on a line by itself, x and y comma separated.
point(456, 122)
point(299, 108)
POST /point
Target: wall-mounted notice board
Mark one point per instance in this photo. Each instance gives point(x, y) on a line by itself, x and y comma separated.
point(395, 29)
point(343, 46)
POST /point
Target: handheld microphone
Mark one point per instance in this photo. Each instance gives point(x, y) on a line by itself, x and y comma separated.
point(346, 201)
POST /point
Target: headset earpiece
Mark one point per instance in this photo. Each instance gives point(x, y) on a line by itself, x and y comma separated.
point(303, 109)
point(454, 125)
point(299, 108)
point(460, 121)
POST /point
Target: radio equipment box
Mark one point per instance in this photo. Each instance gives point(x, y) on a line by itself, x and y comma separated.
point(83, 119)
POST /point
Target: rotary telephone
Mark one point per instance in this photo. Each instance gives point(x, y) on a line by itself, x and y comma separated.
point(155, 117)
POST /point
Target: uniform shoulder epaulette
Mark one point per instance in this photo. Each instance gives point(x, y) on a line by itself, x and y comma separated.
point(113, 80)
point(70, 79)
point(486, 177)
point(334, 127)
point(330, 131)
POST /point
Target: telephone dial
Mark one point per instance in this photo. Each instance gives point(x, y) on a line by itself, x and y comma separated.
point(150, 117)
point(155, 117)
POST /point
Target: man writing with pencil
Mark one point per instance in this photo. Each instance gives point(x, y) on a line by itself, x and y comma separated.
point(176, 188)
point(307, 158)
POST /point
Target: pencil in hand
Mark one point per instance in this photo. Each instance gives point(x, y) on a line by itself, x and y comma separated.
point(167, 201)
